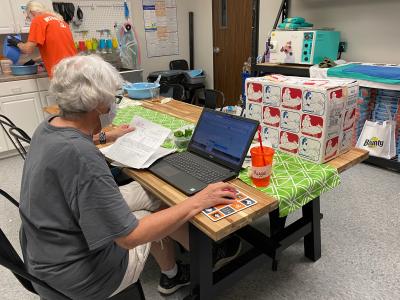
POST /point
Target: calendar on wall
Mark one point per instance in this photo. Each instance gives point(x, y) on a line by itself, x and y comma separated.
point(161, 27)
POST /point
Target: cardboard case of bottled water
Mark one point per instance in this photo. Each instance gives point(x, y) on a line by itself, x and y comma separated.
point(311, 118)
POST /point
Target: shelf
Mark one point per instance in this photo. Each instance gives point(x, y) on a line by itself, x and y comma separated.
point(284, 69)
point(389, 164)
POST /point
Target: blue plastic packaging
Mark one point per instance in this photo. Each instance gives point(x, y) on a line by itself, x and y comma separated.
point(11, 52)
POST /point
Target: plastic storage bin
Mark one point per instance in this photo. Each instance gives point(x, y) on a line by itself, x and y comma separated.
point(142, 90)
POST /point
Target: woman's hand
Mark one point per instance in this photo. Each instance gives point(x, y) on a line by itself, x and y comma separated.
point(117, 132)
point(213, 195)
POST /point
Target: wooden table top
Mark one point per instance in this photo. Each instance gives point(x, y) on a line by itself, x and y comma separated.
point(228, 225)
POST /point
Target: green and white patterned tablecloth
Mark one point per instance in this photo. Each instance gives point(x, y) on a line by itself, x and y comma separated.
point(125, 115)
point(294, 181)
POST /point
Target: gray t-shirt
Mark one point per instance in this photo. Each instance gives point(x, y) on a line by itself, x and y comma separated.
point(72, 211)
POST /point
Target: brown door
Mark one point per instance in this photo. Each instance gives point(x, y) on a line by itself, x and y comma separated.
point(232, 20)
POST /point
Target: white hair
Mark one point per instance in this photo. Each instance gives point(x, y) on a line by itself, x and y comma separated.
point(40, 8)
point(82, 83)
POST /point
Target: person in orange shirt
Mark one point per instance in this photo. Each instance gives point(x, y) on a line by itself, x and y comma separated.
point(49, 33)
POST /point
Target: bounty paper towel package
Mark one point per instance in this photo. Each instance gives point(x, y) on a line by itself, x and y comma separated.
point(307, 117)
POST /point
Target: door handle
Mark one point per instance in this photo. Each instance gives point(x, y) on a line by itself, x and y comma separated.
point(216, 50)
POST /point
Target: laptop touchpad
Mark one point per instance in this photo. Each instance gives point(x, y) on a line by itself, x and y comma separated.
point(168, 170)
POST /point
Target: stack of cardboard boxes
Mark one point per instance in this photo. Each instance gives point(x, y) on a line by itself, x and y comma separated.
point(310, 118)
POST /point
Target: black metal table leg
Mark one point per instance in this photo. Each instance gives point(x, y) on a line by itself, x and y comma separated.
point(312, 241)
point(201, 273)
point(276, 225)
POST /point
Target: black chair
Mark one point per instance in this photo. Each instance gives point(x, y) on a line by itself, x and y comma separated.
point(214, 99)
point(173, 90)
point(20, 136)
point(7, 124)
point(10, 259)
point(191, 88)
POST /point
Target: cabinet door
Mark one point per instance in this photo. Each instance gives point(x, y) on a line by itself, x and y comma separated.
point(24, 110)
point(6, 18)
point(3, 141)
point(18, 7)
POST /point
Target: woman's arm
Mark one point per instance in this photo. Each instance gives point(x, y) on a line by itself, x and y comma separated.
point(162, 223)
point(27, 47)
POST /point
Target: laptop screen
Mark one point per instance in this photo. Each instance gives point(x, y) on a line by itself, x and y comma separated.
point(223, 138)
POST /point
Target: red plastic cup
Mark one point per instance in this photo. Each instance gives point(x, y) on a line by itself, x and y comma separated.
point(261, 165)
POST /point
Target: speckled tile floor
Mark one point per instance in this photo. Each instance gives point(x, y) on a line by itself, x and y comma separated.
point(360, 245)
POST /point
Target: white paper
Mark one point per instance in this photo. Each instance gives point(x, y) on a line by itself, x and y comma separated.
point(134, 149)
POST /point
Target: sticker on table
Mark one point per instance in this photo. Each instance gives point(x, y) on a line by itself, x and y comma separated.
point(227, 210)
point(241, 201)
point(215, 216)
point(291, 98)
point(237, 205)
point(254, 92)
point(248, 202)
point(271, 116)
point(209, 210)
point(272, 95)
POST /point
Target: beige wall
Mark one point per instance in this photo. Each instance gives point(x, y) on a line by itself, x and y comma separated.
point(202, 32)
point(150, 64)
point(370, 27)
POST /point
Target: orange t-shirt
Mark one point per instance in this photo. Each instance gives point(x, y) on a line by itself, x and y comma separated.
point(53, 38)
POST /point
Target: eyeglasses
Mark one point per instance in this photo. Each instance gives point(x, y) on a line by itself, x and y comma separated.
point(118, 99)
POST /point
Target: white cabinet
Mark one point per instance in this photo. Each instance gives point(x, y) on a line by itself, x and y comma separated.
point(24, 110)
point(3, 141)
point(13, 17)
point(46, 99)
point(7, 24)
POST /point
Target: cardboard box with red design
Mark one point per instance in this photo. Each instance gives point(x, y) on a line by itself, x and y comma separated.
point(307, 117)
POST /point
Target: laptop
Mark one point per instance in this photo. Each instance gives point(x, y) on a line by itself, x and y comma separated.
point(216, 152)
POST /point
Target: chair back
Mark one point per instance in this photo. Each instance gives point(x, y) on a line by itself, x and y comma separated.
point(173, 90)
point(214, 99)
point(178, 64)
point(9, 198)
point(10, 259)
point(20, 136)
point(7, 124)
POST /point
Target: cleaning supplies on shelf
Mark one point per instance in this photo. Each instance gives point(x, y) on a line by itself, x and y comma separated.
point(128, 42)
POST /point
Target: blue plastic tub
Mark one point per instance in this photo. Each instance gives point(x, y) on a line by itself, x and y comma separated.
point(142, 90)
point(24, 70)
point(11, 52)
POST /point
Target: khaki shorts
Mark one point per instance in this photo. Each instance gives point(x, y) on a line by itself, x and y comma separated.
point(141, 203)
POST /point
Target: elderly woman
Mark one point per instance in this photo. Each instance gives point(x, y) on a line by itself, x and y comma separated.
point(49, 33)
point(78, 231)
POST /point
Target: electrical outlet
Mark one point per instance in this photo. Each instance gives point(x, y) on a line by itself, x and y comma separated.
point(342, 47)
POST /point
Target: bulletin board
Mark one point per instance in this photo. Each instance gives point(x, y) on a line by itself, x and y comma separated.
point(161, 27)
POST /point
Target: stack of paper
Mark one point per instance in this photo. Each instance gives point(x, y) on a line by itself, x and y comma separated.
point(141, 147)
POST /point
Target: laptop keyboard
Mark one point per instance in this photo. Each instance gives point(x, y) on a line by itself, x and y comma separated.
point(188, 163)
